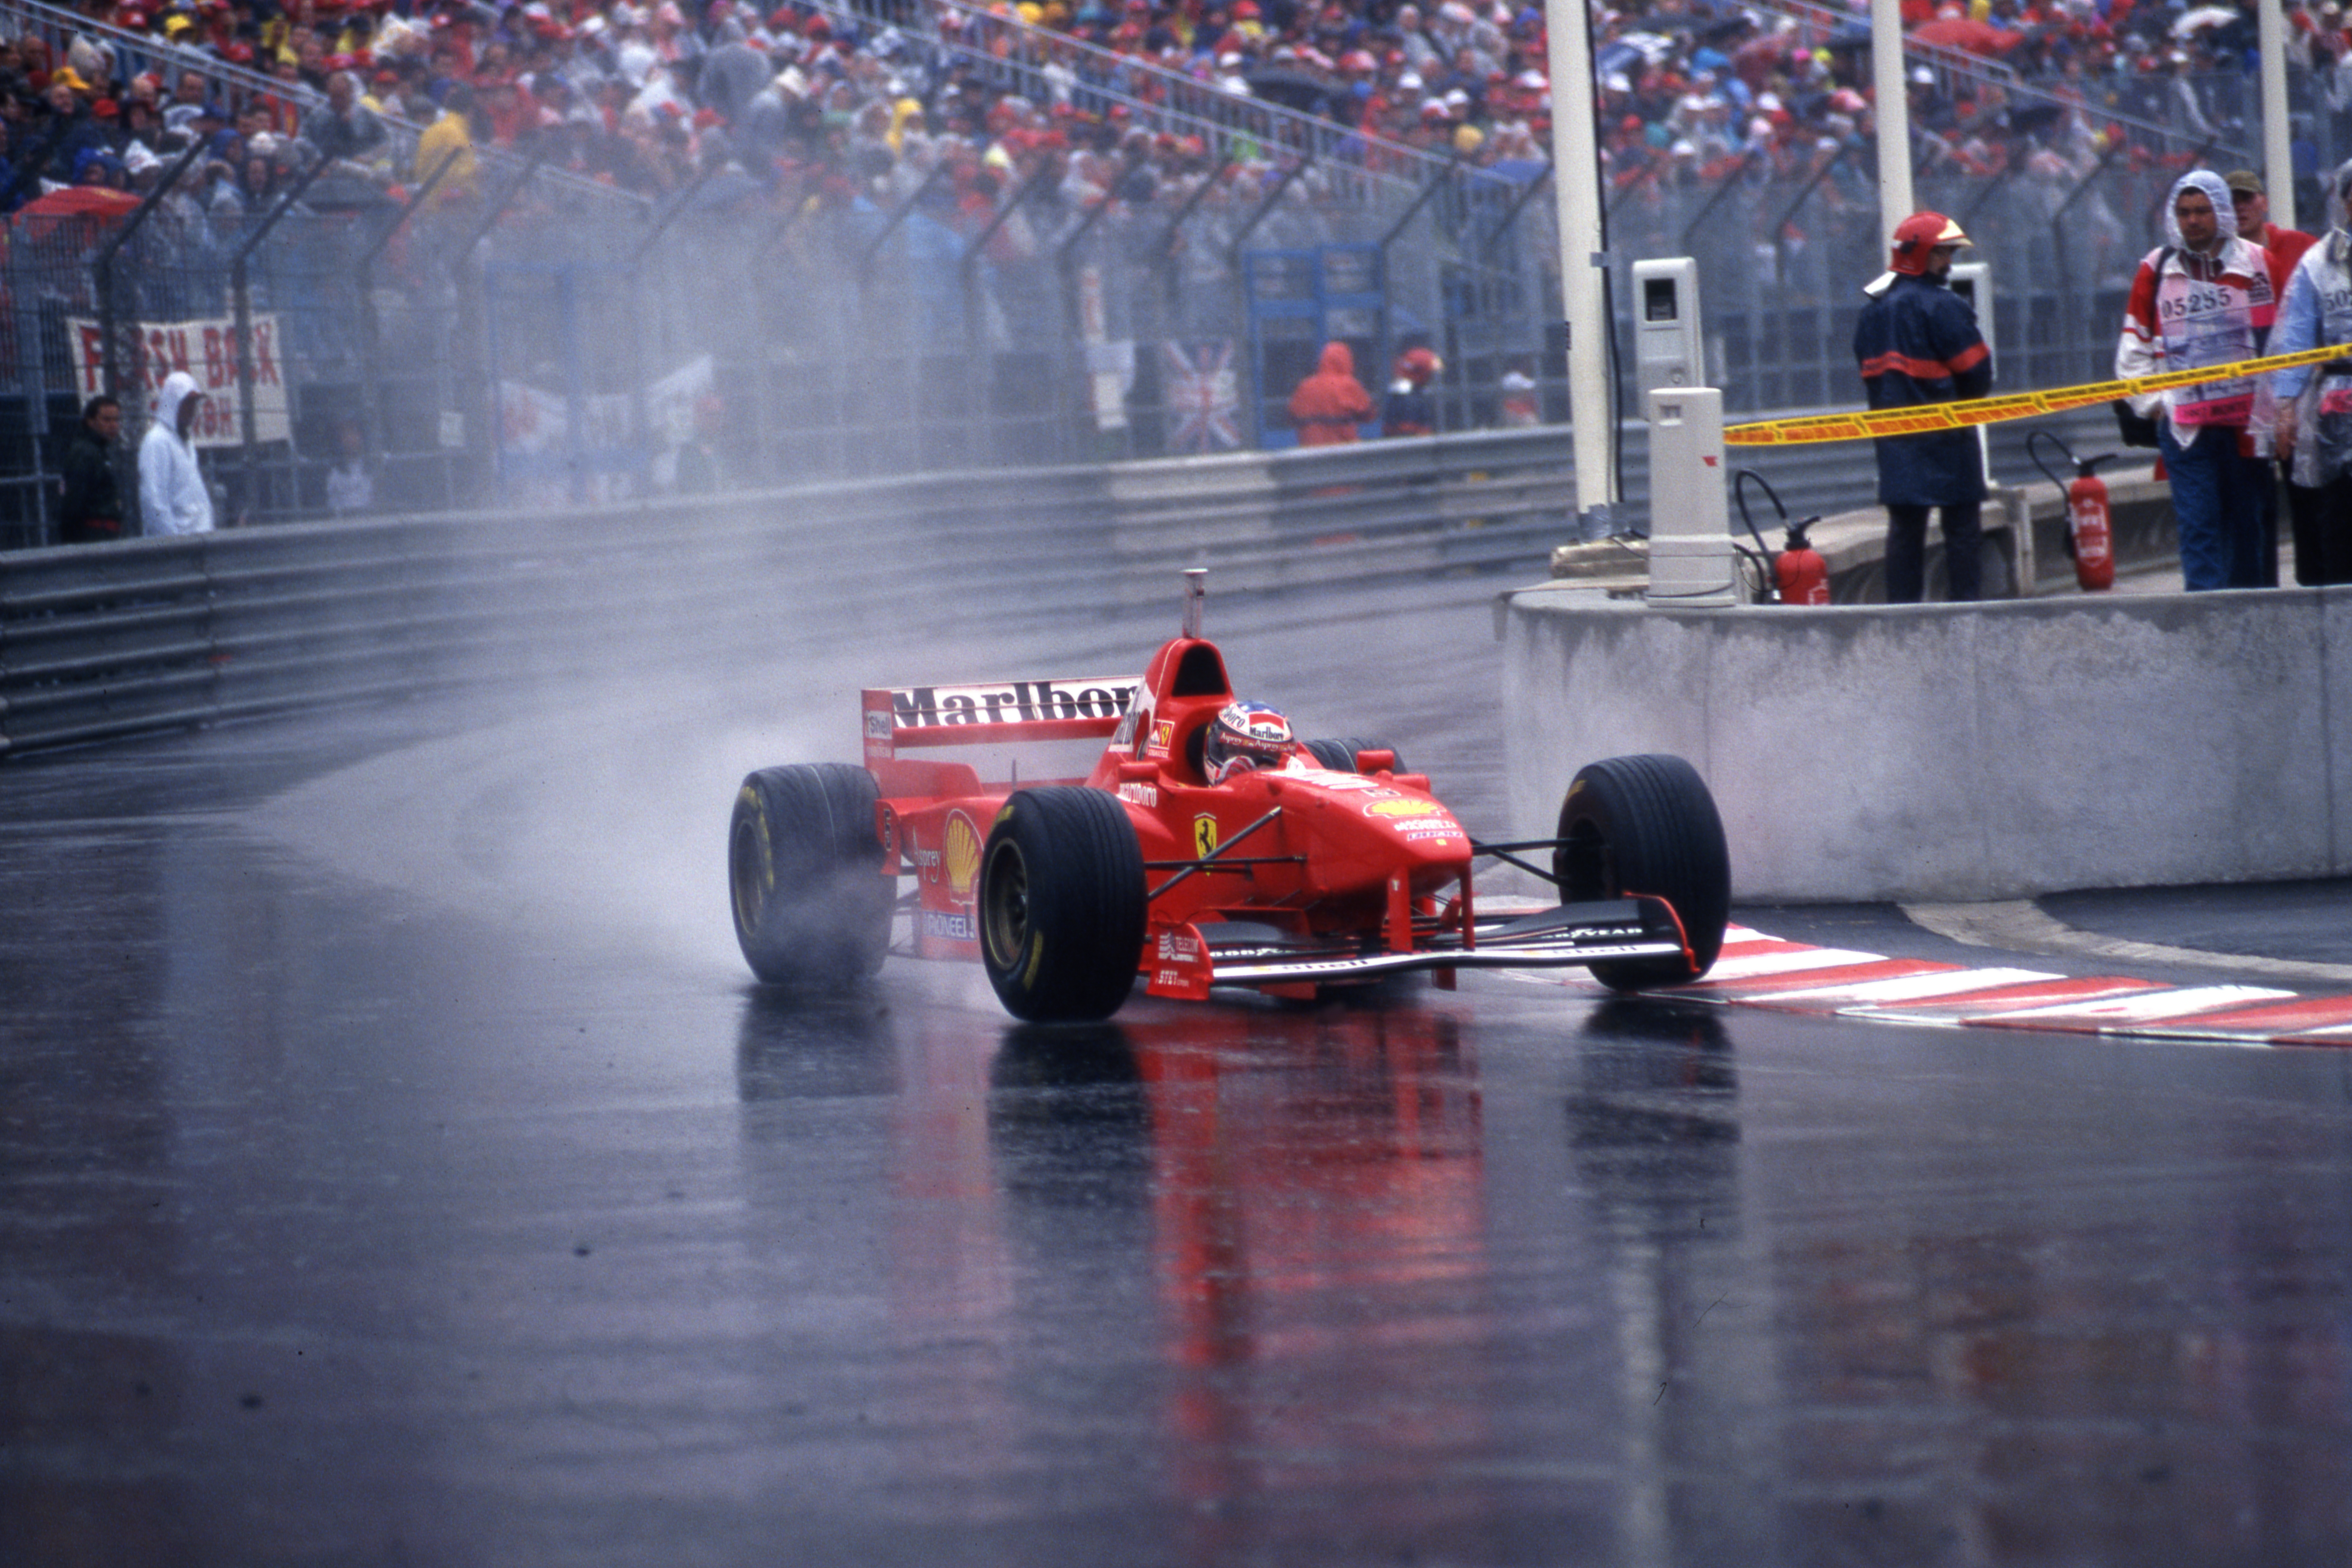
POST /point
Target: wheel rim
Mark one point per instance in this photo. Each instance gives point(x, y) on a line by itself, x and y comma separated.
point(1584, 864)
point(744, 866)
point(1005, 904)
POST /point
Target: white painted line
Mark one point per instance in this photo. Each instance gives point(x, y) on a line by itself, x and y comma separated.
point(2141, 1007)
point(1951, 982)
point(1796, 963)
point(2331, 1029)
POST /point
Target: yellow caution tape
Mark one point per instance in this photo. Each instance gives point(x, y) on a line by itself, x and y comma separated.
point(1925, 416)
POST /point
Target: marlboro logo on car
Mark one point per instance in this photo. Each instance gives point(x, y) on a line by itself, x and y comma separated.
point(1013, 703)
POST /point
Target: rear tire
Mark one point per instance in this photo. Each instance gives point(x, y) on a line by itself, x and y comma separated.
point(1647, 825)
point(805, 872)
point(1062, 905)
point(1340, 754)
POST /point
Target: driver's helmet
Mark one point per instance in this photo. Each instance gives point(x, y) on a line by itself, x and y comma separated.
point(1246, 735)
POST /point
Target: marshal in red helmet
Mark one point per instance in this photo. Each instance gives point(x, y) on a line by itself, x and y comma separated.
point(1913, 249)
point(1918, 342)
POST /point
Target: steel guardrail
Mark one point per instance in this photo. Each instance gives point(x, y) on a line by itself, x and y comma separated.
point(103, 641)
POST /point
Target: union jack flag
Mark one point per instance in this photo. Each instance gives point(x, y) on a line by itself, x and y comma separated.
point(1204, 396)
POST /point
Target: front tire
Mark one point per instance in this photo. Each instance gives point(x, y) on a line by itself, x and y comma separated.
point(1062, 905)
point(1647, 825)
point(1339, 754)
point(805, 875)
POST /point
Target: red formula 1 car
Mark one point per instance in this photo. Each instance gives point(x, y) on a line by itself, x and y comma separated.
point(1171, 862)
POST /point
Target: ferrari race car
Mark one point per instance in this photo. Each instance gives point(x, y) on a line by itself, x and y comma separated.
point(1166, 860)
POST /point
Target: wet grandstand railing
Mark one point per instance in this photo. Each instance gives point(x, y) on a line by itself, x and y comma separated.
point(544, 340)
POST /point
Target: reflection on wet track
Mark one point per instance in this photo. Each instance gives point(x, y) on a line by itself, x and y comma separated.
point(396, 1166)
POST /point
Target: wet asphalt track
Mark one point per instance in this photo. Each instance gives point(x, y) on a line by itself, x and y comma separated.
point(396, 1166)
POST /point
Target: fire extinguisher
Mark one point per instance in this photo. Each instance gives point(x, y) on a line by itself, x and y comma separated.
point(1794, 575)
point(2090, 526)
point(1804, 576)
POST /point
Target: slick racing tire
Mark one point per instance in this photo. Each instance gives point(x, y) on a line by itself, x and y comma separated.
point(805, 875)
point(1647, 825)
point(1061, 905)
point(1340, 754)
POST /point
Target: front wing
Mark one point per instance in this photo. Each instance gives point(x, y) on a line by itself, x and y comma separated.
point(1188, 960)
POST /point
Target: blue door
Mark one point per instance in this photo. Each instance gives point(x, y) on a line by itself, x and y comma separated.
point(1299, 300)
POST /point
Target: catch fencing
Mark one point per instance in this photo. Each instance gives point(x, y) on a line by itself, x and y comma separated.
point(543, 356)
point(540, 341)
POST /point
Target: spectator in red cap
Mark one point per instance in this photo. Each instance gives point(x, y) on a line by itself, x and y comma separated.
point(1408, 409)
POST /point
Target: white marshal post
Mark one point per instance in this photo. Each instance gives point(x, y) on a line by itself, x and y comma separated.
point(1576, 183)
point(1893, 114)
point(2278, 142)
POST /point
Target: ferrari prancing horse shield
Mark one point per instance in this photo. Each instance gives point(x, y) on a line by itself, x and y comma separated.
point(1205, 835)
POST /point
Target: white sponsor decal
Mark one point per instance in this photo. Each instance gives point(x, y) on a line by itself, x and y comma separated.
point(1139, 794)
point(1177, 948)
point(877, 724)
point(1013, 703)
point(953, 927)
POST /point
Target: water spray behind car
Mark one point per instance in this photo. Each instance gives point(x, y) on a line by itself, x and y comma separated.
point(2090, 525)
point(1794, 575)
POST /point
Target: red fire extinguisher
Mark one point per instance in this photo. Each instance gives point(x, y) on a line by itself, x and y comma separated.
point(2090, 526)
point(1796, 574)
point(1802, 575)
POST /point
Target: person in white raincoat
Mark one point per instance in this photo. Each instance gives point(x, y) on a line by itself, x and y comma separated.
point(171, 494)
point(2206, 299)
point(2315, 402)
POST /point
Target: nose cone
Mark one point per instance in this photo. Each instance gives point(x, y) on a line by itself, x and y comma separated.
point(1417, 822)
point(1419, 835)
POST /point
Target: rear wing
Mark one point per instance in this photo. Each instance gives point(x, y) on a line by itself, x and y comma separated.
point(1087, 708)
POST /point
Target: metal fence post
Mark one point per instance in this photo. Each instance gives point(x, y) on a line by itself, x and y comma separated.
point(102, 266)
point(471, 328)
point(372, 440)
point(243, 299)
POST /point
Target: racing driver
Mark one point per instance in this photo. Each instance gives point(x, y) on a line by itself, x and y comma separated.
point(1246, 735)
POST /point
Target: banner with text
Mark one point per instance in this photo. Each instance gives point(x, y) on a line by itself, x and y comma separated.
point(205, 349)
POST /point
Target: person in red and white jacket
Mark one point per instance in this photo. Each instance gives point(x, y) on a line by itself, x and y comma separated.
point(2206, 298)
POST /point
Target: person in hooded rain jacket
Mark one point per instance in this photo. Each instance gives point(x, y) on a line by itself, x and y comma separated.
point(1329, 405)
point(1918, 342)
point(2205, 299)
point(2315, 402)
point(173, 498)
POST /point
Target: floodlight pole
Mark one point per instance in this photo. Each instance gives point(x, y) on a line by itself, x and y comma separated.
point(1583, 257)
point(1892, 116)
point(2278, 149)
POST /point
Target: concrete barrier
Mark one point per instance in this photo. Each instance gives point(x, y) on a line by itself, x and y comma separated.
point(1957, 751)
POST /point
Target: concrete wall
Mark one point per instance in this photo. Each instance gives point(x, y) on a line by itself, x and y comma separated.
point(1961, 750)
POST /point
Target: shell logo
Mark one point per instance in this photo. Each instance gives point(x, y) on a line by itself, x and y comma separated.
point(960, 852)
point(1398, 809)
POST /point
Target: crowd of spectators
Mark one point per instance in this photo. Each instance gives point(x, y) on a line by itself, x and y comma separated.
point(645, 97)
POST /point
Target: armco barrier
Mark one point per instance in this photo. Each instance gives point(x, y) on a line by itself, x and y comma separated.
point(111, 640)
point(98, 641)
point(1961, 752)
